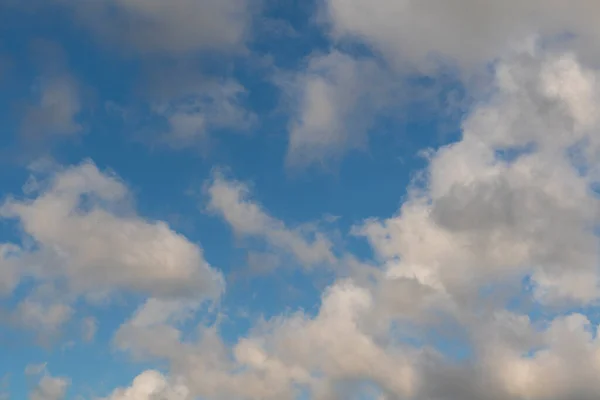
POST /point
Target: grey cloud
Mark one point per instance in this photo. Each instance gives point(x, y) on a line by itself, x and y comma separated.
point(467, 32)
point(179, 27)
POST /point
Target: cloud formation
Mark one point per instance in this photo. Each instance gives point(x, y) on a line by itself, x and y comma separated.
point(467, 32)
point(230, 199)
point(478, 286)
point(82, 239)
point(508, 202)
point(49, 387)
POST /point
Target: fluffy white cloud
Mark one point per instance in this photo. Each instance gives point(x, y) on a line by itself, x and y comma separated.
point(341, 95)
point(289, 355)
point(84, 232)
point(485, 217)
point(151, 385)
point(510, 200)
point(230, 199)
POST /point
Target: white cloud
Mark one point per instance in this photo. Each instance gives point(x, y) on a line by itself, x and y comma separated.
point(230, 199)
point(45, 318)
point(150, 385)
point(83, 232)
point(292, 354)
point(480, 220)
point(83, 239)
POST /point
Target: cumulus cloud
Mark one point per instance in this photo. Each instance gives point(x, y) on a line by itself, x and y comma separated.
point(509, 202)
point(509, 205)
point(230, 199)
point(486, 217)
point(151, 385)
point(84, 239)
point(339, 96)
point(80, 234)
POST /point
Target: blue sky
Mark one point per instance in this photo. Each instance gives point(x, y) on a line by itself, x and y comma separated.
point(243, 199)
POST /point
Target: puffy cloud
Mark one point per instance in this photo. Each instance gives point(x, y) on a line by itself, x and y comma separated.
point(230, 199)
point(84, 231)
point(484, 216)
point(150, 385)
point(287, 357)
point(564, 368)
point(50, 388)
point(181, 26)
point(45, 318)
point(335, 99)
point(469, 32)
point(510, 200)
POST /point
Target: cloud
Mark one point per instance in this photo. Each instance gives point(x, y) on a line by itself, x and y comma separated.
point(151, 26)
point(45, 318)
point(85, 232)
point(291, 355)
point(89, 327)
point(9, 275)
point(57, 102)
point(196, 114)
point(334, 101)
point(50, 388)
point(35, 369)
point(151, 385)
point(467, 32)
point(483, 217)
point(505, 203)
point(57, 106)
point(230, 200)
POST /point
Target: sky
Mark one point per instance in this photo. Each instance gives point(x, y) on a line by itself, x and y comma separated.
point(299, 200)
